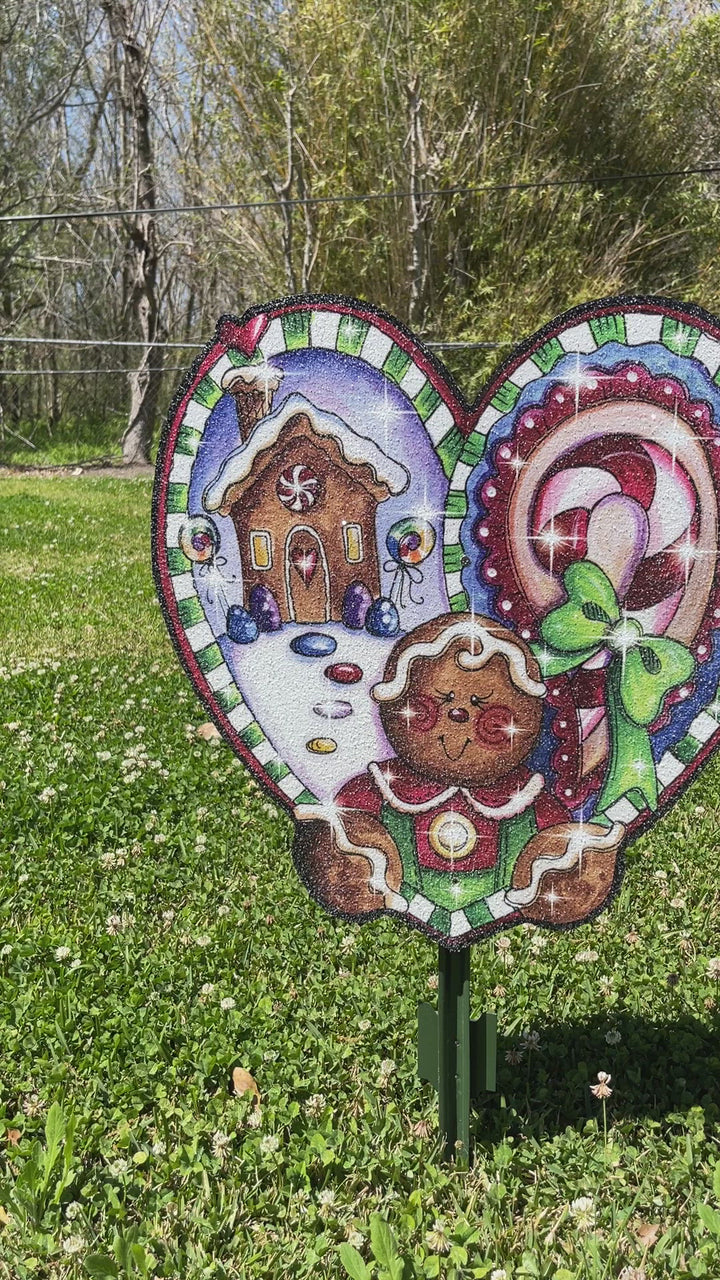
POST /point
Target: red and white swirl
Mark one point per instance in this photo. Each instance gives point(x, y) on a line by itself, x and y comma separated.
point(622, 470)
point(298, 488)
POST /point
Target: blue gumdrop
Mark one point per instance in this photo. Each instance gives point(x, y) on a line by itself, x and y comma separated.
point(313, 644)
point(240, 625)
point(356, 602)
point(264, 609)
point(382, 618)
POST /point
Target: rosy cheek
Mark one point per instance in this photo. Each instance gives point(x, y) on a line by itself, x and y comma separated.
point(493, 726)
point(423, 713)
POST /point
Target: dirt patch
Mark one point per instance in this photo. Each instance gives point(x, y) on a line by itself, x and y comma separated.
point(93, 471)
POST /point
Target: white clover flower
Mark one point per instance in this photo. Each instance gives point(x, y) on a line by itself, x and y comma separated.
point(586, 957)
point(613, 1036)
point(437, 1239)
point(6, 950)
point(269, 1143)
point(713, 967)
point(73, 1244)
point(47, 795)
point(387, 1066)
point(204, 940)
point(113, 925)
point(254, 1119)
point(355, 1238)
point(503, 943)
point(583, 1211)
point(327, 1196)
point(73, 1210)
point(316, 1103)
point(207, 988)
point(364, 1024)
point(227, 1002)
point(62, 953)
point(23, 878)
point(498, 1274)
point(602, 1088)
point(223, 910)
point(348, 943)
point(168, 916)
point(220, 1143)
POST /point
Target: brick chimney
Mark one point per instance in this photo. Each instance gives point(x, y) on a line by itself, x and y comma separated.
point(252, 387)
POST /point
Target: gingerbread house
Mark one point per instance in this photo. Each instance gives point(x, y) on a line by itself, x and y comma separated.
point(303, 492)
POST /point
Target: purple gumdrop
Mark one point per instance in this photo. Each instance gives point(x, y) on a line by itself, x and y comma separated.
point(264, 609)
point(356, 602)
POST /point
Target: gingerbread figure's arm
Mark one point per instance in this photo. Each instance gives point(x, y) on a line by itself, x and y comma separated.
point(566, 872)
point(351, 863)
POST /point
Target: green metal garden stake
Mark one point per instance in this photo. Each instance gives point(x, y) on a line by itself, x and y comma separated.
point(456, 1054)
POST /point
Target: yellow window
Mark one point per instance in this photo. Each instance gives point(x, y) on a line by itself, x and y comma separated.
point(260, 549)
point(352, 534)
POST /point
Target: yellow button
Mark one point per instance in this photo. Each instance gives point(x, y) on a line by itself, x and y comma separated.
point(452, 835)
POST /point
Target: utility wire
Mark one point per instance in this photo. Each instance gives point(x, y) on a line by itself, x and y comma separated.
point(12, 373)
point(197, 346)
point(592, 180)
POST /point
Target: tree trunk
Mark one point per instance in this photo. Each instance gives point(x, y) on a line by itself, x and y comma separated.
point(142, 251)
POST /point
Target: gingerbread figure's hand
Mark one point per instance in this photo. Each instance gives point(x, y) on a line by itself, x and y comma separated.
point(565, 872)
point(353, 865)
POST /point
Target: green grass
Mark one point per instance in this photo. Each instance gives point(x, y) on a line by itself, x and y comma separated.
point(70, 442)
point(119, 1138)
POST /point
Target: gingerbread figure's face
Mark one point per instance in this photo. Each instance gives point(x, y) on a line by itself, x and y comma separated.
point(467, 712)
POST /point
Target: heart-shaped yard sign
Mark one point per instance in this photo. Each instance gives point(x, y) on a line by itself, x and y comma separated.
point(474, 651)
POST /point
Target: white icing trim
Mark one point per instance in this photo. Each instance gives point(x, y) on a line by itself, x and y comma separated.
point(376, 857)
point(517, 804)
point(490, 645)
point(406, 806)
point(577, 843)
point(355, 449)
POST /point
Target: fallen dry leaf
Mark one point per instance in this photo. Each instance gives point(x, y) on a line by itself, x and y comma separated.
point(244, 1083)
point(14, 1136)
point(647, 1233)
point(208, 731)
point(4, 1216)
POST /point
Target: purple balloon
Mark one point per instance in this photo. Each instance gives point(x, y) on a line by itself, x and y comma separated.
point(264, 609)
point(356, 602)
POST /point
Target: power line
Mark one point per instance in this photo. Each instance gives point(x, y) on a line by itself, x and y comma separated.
point(11, 373)
point(370, 197)
point(94, 342)
point(197, 346)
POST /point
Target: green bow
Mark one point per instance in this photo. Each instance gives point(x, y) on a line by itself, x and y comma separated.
point(642, 670)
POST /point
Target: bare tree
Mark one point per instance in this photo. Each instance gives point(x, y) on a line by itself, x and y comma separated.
point(141, 267)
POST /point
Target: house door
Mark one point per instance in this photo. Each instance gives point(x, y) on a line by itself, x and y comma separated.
point(307, 580)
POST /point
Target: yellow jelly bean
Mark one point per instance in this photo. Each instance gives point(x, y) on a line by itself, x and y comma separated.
point(321, 746)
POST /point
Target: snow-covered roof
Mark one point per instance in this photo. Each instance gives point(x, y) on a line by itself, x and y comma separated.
point(355, 449)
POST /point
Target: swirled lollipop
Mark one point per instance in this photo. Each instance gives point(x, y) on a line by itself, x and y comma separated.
point(199, 540)
point(409, 542)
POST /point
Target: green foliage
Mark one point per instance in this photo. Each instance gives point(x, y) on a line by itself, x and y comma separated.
point(153, 935)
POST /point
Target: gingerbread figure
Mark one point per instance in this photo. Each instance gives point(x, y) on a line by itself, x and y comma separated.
point(456, 821)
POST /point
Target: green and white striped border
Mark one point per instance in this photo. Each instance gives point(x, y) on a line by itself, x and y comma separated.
point(198, 632)
point(325, 329)
point(352, 336)
point(629, 329)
